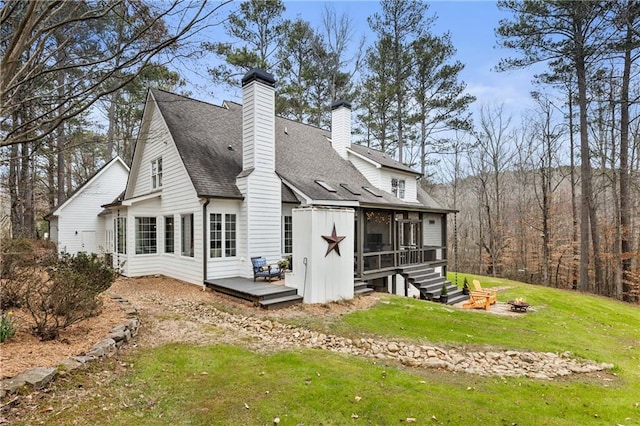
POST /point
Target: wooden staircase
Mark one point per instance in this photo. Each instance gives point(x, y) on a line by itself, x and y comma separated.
point(429, 283)
point(361, 287)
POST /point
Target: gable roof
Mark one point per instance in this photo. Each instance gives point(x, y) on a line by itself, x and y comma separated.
point(381, 158)
point(209, 141)
point(115, 160)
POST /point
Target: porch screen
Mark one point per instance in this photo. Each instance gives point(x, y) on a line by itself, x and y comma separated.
point(377, 231)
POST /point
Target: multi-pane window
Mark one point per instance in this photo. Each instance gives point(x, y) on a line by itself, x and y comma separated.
point(222, 235)
point(146, 235)
point(120, 226)
point(287, 241)
point(156, 173)
point(230, 235)
point(168, 234)
point(215, 237)
point(186, 233)
point(397, 187)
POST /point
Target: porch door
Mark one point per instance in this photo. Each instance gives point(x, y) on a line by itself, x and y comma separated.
point(409, 241)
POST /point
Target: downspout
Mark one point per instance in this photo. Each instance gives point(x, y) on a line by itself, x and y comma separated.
point(204, 239)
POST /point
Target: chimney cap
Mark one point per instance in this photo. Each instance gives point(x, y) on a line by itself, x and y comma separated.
point(258, 74)
point(340, 103)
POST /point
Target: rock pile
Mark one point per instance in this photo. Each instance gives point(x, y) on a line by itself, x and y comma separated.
point(538, 365)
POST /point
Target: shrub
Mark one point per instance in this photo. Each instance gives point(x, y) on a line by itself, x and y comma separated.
point(15, 254)
point(15, 257)
point(7, 327)
point(66, 293)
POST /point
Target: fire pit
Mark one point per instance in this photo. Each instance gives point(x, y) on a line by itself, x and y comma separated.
point(518, 306)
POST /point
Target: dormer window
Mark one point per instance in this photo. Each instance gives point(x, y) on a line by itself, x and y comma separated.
point(156, 173)
point(397, 187)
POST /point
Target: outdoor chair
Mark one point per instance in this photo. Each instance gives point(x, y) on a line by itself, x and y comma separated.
point(478, 299)
point(492, 294)
point(261, 269)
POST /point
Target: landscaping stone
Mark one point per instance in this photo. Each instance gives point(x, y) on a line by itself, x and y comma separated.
point(537, 365)
point(38, 377)
point(41, 376)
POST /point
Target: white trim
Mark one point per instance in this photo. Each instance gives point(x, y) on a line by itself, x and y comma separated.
point(145, 197)
point(306, 198)
point(114, 160)
point(367, 159)
point(337, 203)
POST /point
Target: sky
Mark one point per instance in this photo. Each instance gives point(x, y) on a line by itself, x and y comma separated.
point(472, 26)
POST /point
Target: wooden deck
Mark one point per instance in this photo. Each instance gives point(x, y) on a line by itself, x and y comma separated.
point(261, 293)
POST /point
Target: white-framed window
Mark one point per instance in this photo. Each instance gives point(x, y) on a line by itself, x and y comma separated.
point(120, 243)
point(287, 234)
point(186, 234)
point(146, 238)
point(397, 187)
point(169, 243)
point(108, 240)
point(156, 173)
point(222, 235)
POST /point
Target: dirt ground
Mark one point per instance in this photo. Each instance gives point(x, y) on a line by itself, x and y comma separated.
point(151, 296)
point(154, 297)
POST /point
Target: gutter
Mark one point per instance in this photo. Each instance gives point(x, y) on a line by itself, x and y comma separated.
point(204, 239)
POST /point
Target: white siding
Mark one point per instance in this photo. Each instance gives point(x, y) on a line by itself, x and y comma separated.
point(80, 213)
point(225, 267)
point(432, 231)
point(53, 229)
point(176, 197)
point(341, 130)
point(371, 172)
point(156, 143)
point(410, 189)
point(258, 127)
point(261, 214)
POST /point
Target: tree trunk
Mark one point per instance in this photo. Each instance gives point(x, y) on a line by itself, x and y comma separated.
point(626, 240)
point(574, 204)
point(585, 174)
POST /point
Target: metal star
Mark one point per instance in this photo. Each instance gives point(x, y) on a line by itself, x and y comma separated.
point(333, 241)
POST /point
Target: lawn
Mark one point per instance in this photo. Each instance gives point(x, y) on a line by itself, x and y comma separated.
point(229, 385)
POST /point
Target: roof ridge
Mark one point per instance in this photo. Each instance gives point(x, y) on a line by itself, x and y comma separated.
point(152, 89)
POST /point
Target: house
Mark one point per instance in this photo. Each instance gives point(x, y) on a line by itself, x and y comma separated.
point(76, 225)
point(212, 186)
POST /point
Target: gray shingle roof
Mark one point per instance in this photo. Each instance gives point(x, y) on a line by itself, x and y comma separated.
point(381, 158)
point(209, 141)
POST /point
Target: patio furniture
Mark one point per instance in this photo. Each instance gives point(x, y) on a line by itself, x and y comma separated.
point(478, 299)
point(261, 269)
point(492, 294)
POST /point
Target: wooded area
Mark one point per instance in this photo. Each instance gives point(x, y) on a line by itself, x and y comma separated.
point(553, 199)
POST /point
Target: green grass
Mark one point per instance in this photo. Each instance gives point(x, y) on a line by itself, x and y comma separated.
point(209, 385)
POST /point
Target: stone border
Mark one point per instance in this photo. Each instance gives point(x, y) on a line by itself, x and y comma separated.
point(39, 377)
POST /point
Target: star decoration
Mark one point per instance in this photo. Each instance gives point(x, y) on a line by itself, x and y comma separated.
point(333, 241)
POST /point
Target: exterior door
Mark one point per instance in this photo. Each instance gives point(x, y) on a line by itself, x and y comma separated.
point(89, 241)
point(409, 239)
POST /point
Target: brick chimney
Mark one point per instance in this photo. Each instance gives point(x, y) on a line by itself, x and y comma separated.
point(341, 127)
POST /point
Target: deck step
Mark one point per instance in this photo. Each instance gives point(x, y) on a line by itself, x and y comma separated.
point(361, 287)
point(280, 302)
point(362, 290)
point(283, 293)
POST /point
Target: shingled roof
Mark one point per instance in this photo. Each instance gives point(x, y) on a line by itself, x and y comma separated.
point(381, 158)
point(209, 141)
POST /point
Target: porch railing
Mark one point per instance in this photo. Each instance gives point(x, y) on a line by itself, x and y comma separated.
point(383, 260)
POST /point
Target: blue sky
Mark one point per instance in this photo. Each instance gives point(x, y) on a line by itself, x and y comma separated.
point(471, 24)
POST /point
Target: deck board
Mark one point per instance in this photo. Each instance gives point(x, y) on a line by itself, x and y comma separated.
point(246, 288)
